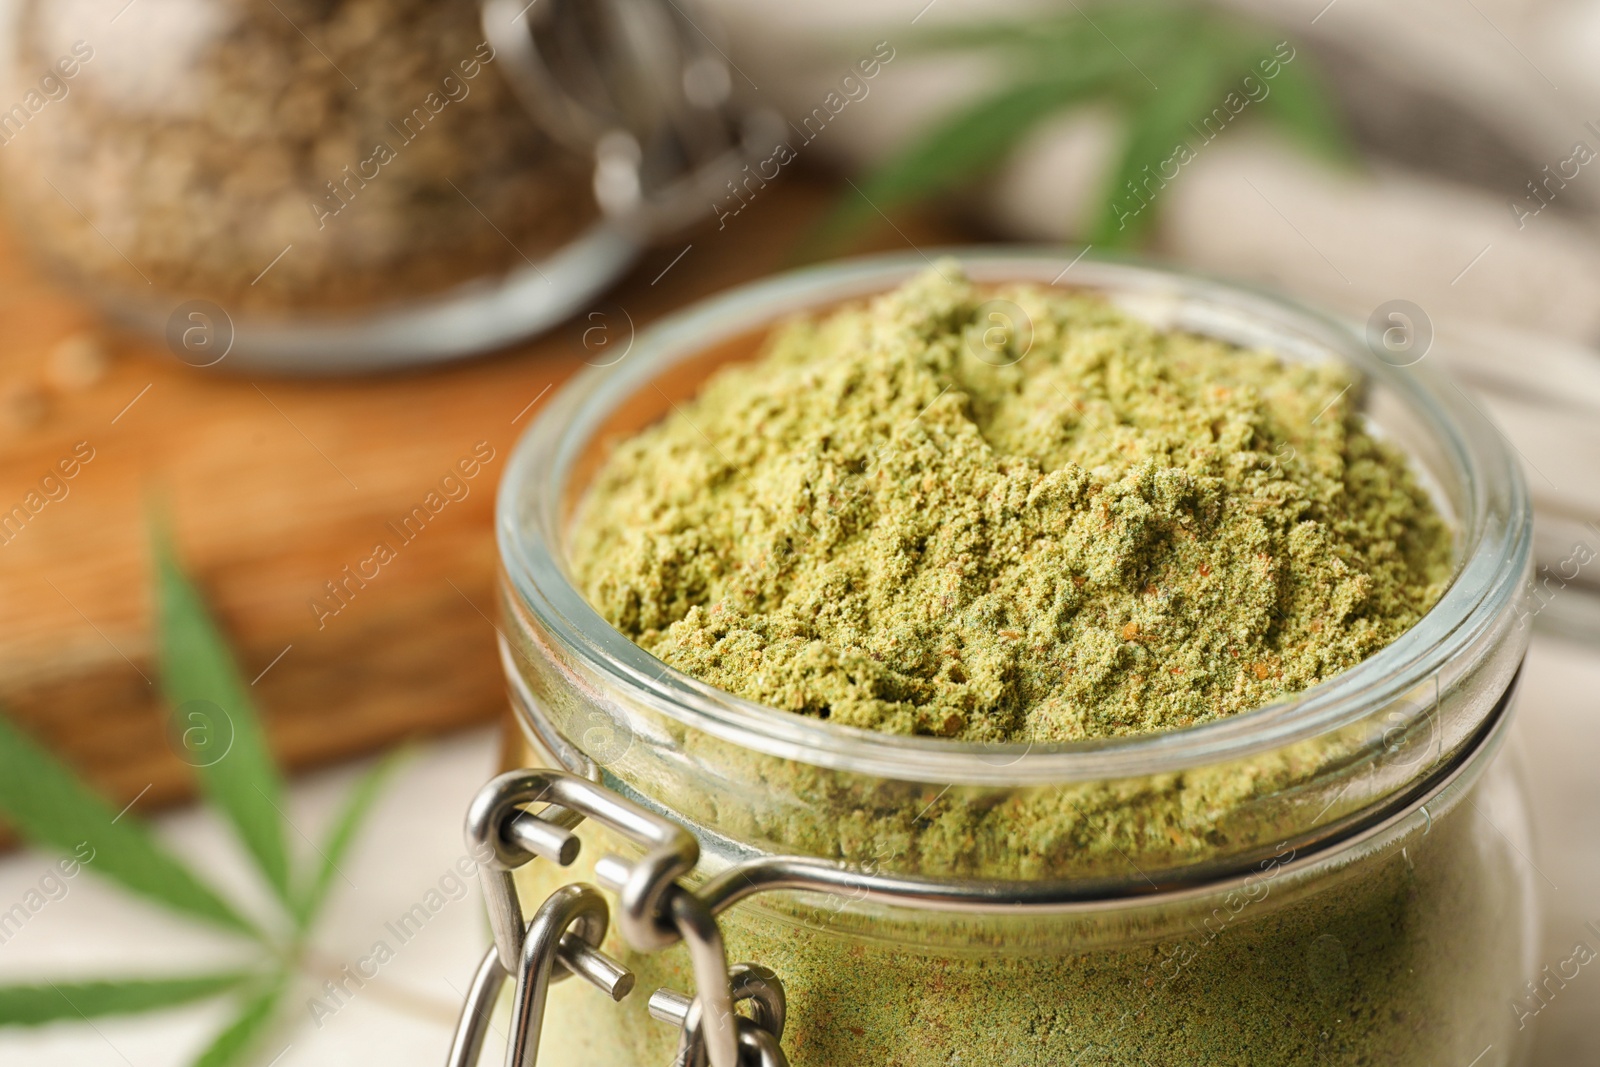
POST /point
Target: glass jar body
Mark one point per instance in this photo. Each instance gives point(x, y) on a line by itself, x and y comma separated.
point(345, 184)
point(1338, 877)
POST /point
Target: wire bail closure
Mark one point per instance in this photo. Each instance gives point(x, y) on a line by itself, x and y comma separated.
point(645, 89)
point(758, 1036)
point(564, 936)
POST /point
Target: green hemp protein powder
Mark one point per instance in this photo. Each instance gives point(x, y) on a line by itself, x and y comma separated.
point(908, 518)
point(1016, 513)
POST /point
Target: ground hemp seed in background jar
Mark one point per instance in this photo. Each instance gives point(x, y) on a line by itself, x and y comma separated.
point(1232, 798)
point(343, 183)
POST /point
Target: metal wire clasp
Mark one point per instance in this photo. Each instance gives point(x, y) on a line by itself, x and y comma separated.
point(563, 937)
point(646, 89)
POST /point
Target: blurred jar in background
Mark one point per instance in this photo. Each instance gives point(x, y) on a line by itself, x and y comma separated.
point(315, 184)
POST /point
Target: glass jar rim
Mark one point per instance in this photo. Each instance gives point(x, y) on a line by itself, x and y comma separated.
point(1493, 528)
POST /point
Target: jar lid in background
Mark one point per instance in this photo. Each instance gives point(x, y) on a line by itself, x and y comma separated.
point(646, 88)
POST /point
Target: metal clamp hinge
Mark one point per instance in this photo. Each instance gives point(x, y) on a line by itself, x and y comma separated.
point(655, 911)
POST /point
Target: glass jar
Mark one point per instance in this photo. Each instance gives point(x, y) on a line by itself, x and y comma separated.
point(328, 184)
point(1340, 877)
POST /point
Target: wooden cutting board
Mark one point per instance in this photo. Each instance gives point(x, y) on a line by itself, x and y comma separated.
point(273, 488)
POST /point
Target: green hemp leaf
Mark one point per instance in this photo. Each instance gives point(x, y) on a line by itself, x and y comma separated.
point(219, 733)
point(1179, 75)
